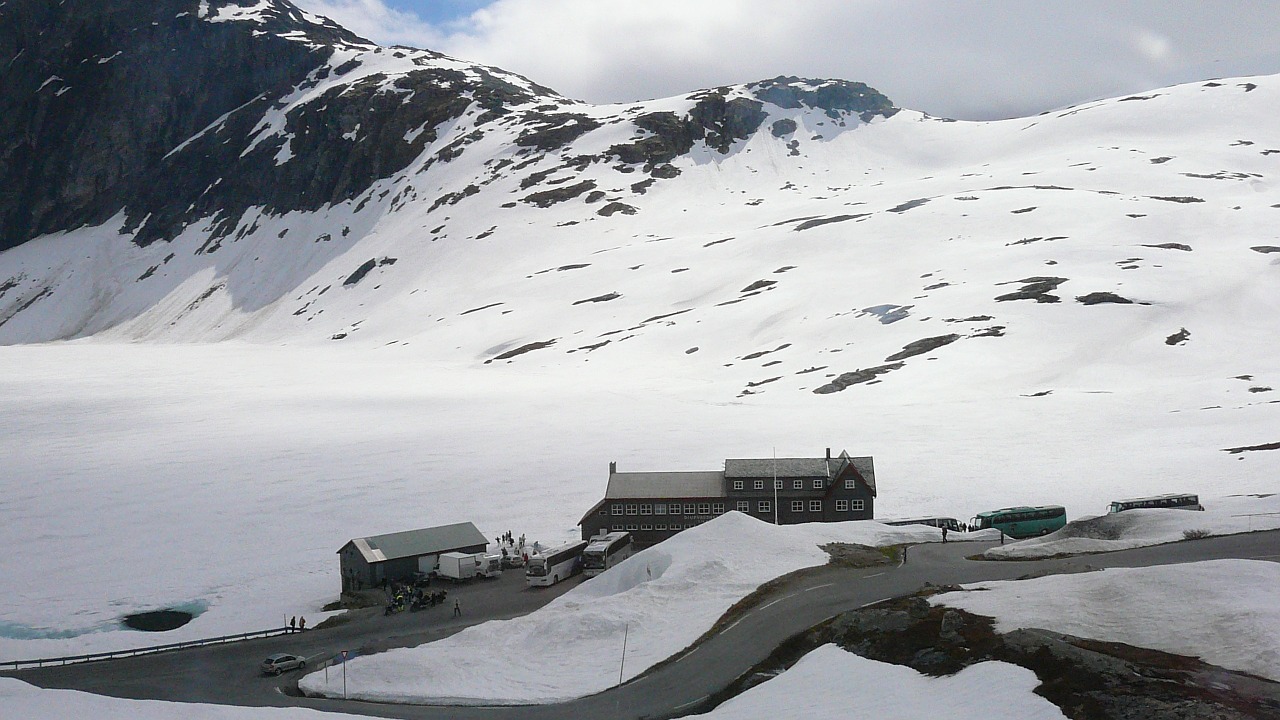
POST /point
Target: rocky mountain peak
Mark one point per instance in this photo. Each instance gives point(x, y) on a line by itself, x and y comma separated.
point(173, 112)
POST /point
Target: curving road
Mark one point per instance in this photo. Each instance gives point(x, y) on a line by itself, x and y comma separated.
point(227, 674)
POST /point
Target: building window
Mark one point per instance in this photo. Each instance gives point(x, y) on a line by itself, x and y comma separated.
point(631, 526)
point(744, 506)
point(631, 509)
point(737, 484)
point(646, 509)
point(660, 526)
point(659, 508)
point(764, 506)
point(759, 484)
point(850, 483)
point(777, 484)
point(855, 505)
point(815, 506)
point(617, 528)
point(646, 526)
point(617, 508)
point(797, 506)
point(690, 508)
point(797, 484)
point(717, 508)
point(704, 508)
point(604, 513)
point(817, 483)
point(842, 506)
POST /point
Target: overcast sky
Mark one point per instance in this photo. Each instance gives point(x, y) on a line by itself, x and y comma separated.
point(955, 58)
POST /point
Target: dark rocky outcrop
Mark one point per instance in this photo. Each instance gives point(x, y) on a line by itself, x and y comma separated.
point(548, 132)
point(837, 97)
point(1035, 288)
point(920, 347)
point(81, 135)
point(720, 120)
point(616, 207)
point(146, 107)
point(856, 377)
point(1087, 679)
point(547, 198)
point(1099, 298)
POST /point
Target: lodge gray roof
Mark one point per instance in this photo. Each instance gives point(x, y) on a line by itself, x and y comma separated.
point(786, 467)
point(411, 543)
point(802, 468)
point(665, 484)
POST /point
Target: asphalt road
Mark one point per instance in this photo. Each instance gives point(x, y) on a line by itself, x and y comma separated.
point(228, 674)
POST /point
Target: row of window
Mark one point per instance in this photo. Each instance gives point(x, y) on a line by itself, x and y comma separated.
point(762, 506)
point(632, 527)
point(675, 508)
point(765, 506)
point(797, 484)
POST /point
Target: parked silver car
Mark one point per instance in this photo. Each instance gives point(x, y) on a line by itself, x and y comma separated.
point(282, 662)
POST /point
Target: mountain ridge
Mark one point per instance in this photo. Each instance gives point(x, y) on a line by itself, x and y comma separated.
point(787, 233)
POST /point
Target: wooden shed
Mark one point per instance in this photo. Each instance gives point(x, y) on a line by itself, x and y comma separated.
point(370, 561)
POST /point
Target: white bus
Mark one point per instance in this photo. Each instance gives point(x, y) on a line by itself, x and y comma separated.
point(606, 551)
point(938, 522)
point(555, 564)
point(1180, 502)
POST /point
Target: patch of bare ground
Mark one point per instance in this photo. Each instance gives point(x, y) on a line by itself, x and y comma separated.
point(1086, 679)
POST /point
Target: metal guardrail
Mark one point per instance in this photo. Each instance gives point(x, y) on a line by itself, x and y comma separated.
point(154, 649)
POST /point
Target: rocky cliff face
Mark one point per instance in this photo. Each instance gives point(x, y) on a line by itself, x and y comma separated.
point(97, 93)
point(179, 112)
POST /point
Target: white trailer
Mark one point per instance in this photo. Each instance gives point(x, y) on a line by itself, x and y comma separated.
point(458, 566)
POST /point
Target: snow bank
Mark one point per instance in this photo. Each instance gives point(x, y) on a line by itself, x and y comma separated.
point(1223, 611)
point(832, 683)
point(662, 598)
point(1139, 528)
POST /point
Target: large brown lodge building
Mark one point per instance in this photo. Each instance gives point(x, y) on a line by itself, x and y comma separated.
point(653, 506)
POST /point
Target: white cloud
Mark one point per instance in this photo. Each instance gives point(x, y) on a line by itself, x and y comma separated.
point(968, 60)
point(1154, 46)
point(372, 19)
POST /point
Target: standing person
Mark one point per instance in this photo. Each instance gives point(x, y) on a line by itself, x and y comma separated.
point(457, 608)
point(302, 624)
point(944, 533)
point(293, 623)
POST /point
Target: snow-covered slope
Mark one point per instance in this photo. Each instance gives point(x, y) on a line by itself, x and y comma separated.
point(756, 235)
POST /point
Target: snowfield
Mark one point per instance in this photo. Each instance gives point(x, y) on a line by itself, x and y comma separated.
point(1142, 527)
point(664, 598)
point(1222, 611)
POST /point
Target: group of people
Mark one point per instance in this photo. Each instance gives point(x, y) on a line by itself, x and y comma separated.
point(511, 548)
point(296, 625)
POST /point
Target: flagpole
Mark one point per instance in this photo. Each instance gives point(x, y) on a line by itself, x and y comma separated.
point(775, 485)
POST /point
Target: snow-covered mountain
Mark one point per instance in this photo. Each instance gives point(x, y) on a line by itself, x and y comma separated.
point(787, 235)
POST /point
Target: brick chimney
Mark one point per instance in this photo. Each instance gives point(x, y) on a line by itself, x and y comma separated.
point(613, 466)
point(828, 453)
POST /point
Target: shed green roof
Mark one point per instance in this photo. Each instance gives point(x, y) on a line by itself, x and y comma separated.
point(425, 541)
